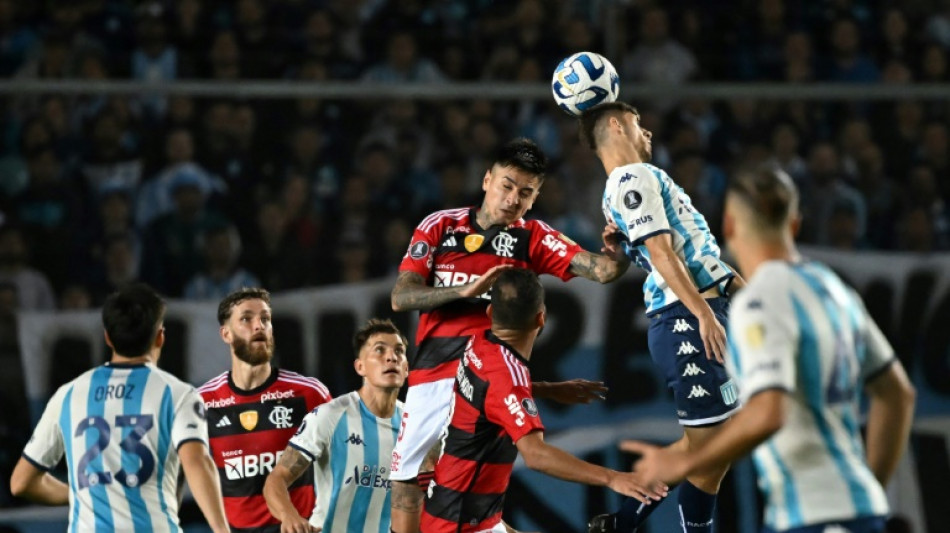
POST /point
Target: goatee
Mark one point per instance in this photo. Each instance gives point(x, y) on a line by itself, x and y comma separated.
point(253, 354)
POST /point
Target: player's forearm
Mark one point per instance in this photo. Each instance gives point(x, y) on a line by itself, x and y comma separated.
point(758, 420)
point(202, 478)
point(674, 272)
point(890, 416)
point(557, 463)
point(277, 495)
point(598, 267)
point(411, 294)
point(37, 486)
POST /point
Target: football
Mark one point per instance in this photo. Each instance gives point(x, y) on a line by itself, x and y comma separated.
point(582, 81)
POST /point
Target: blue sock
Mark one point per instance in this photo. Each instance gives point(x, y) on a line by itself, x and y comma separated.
point(697, 509)
point(632, 513)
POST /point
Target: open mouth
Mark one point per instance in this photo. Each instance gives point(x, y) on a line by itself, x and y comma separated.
point(394, 371)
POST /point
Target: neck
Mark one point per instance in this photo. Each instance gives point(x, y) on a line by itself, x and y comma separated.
point(522, 341)
point(247, 376)
point(381, 401)
point(481, 217)
point(618, 156)
point(120, 359)
point(763, 248)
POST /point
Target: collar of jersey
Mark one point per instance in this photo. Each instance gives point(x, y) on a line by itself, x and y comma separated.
point(258, 389)
point(473, 221)
point(491, 337)
point(110, 364)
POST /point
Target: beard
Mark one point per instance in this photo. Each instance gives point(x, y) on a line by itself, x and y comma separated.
point(646, 153)
point(253, 354)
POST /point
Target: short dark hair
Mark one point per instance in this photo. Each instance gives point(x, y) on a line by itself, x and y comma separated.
point(131, 317)
point(522, 154)
point(769, 192)
point(372, 327)
point(516, 298)
point(592, 117)
point(238, 296)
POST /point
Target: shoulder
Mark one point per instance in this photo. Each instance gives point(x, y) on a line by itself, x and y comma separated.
point(770, 282)
point(535, 224)
point(308, 385)
point(444, 217)
point(214, 385)
point(177, 386)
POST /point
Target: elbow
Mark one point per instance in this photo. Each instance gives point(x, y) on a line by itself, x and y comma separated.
point(909, 395)
point(19, 487)
point(394, 302)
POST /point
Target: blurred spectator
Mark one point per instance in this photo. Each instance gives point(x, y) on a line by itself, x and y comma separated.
point(657, 57)
point(915, 231)
point(75, 297)
point(403, 62)
point(396, 234)
point(263, 50)
point(117, 266)
point(895, 41)
point(108, 159)
point(273, 255)
point(220, 274)
point(848, 62)
point(554, 207)
point(882, 195)
point(799, 59)
point(853, 135)
point(898, 127)
point(33, 289)
point(224, 57)
point(786, 155)
point(933, 65)
point(935, 153)
point(938, 24)
point(17, 40)
point(191, 20)
point(844, 228)
point(307, 157)
point(760, 52)
point(825, 191)
point(923, 192)
point(155, 59)
point(320, 43)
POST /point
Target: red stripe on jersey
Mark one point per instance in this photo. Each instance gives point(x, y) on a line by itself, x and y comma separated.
point(467, 414)
point(434, 524)
point(428, 375)
point(459, 474)
point(438, 253)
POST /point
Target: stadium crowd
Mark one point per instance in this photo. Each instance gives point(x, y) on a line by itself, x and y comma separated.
point(199, 196)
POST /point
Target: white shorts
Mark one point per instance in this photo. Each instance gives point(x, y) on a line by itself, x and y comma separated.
point(499, 528)
point(423, 417)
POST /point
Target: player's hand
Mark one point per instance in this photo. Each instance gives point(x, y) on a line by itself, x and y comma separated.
point(714, 338)
point(657, 466)
point(613, 244)
point(298, 524)
point(571, 392)
point(481, 285)
point(632, 484)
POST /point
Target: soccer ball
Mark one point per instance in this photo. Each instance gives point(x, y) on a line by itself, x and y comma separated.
point(584, 80)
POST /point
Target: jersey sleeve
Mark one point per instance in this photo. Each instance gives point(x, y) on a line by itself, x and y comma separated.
point(45, 447)
point(318, 396)
point(313, 436)
point(638, 203)
point(552, 251)
point(879, 353)
point(189, 422)
point(762, 345)
point(419, 256)
point(512, 407)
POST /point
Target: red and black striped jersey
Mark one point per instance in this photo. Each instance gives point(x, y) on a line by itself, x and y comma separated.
point(448, 249)
point(248, 431)
point(493, 409)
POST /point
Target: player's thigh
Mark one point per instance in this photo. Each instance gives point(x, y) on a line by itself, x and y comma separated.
point(424, 416)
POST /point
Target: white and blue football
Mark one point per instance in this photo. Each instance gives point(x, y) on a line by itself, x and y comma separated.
point(584, 80)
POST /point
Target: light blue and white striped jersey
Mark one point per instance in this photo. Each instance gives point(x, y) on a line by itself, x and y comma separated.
point(120, 427)
point(644, 201)
point(351, 450)
point(798, 328)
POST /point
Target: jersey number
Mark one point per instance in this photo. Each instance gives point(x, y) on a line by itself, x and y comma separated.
point(131, 444)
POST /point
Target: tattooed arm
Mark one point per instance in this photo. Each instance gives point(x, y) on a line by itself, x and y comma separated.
point(598, 267)
point(411, 292)
point(293, 463)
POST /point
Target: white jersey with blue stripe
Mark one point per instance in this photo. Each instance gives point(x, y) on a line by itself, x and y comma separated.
point(644, 201)
point(796, 327)
point(351, 449)
point(120, 427)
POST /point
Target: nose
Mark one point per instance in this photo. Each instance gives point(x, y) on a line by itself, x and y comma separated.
point(648, 133)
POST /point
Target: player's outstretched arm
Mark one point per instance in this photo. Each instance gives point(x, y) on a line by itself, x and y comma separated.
point(598, 267)
point(759, 419)
point(202, 478)
point(411, 292)
point(889, 419)
point(553, 461)
point(37, 485)
point(674, 271)
point(570, 392)
point(291, 466)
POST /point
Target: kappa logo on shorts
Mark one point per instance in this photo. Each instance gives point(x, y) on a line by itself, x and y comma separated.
point(697, 392)
point(682, 326)
point(687, 348)
point(692, 370)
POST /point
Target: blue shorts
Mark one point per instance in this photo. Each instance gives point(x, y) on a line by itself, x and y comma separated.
point(702, 390)
point(872, 524)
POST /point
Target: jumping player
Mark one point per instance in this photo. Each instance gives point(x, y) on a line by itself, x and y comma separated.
point(453, 258)
point(253, 410)
point(685, 295)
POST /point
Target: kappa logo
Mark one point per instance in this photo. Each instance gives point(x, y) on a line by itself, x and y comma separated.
point(504, 244)
point(224, 422)
point(356, 439)
point(681, 326)
point(280, 417)
point(626, 177)
point(687, 348)
point(697, 392)
point(692, 370)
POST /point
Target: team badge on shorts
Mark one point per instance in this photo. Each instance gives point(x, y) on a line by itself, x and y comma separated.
point(474, 242)
point(729, 393)
point(248, 420)
point(418, 250)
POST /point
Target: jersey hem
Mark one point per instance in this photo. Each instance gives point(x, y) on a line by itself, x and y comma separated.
point(302, 450)
point(643, 238)
point(712, 420)
point(880, 370)
point(36, 463)
point(192, 439)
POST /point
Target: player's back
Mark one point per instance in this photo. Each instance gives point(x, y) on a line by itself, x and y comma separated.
point(800, 328)
point(120, 427)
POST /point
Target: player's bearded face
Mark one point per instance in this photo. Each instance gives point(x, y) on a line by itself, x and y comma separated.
point(256, 349)
point(642, 140)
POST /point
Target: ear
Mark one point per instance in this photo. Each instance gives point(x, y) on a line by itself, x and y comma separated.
point(796, 225)
point(225, 333)
point(359, 366)
point(486, 179)
point(159, 337)
point(489, 311)
point(728, 225)
point(540, 319)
